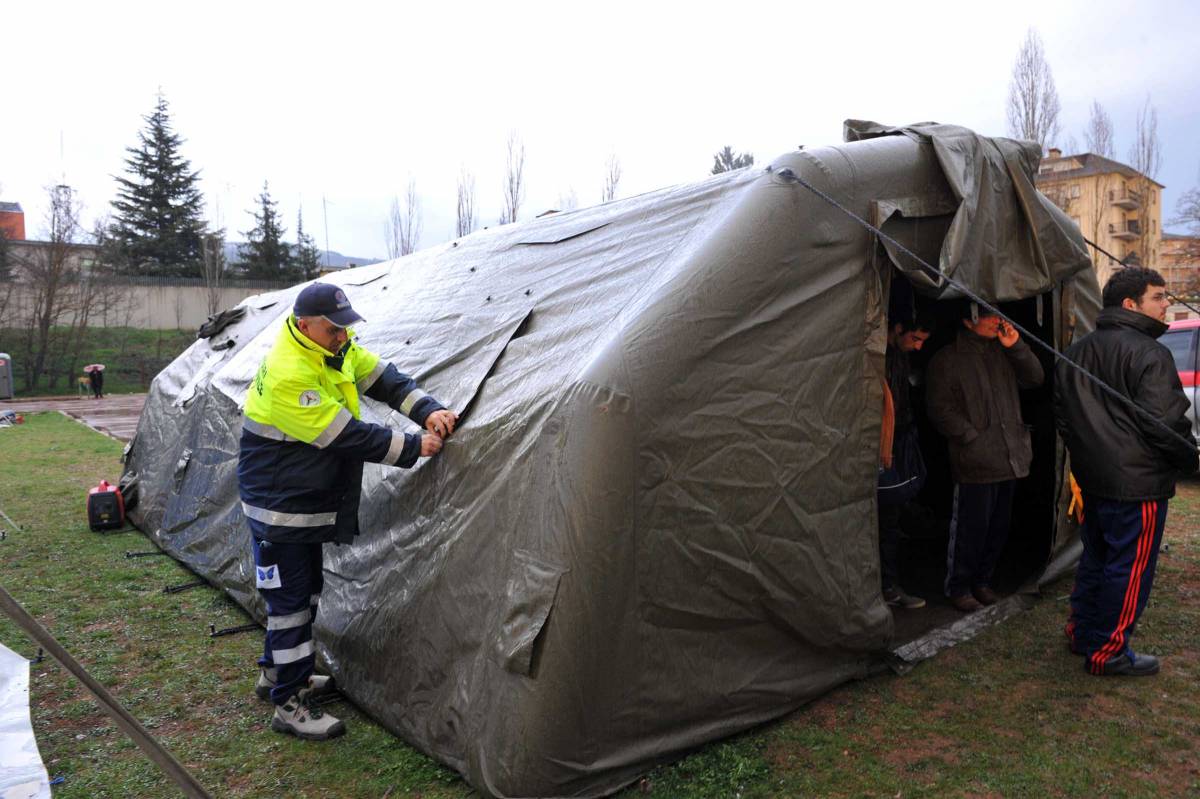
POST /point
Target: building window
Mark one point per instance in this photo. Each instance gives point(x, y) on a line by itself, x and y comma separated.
point(1181, 315)
point(1075, 191)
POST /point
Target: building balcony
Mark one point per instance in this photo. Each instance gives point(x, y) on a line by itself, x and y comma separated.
point(1129, 229)
point(1128, 199)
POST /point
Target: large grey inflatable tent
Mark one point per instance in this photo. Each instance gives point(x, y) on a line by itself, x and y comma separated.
point(656, 523)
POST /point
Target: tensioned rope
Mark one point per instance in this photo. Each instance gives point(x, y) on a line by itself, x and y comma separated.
point(789, 174)
point(175, 770)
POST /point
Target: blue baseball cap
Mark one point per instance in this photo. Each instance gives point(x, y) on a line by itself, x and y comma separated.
point(327, 300)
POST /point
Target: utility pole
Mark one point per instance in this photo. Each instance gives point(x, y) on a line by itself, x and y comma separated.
point(325, 211)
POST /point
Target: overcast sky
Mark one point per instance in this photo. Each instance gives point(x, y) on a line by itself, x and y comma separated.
point(346, 101)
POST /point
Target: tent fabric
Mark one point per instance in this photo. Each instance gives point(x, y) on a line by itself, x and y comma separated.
point(1001, 251)
point(655, 525)
point(22, 772)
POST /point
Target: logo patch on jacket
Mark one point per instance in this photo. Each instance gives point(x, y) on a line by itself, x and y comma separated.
point(309, 398)
point(267, 577)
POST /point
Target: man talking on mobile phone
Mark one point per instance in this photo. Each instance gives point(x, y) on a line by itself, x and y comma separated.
point(973, 401)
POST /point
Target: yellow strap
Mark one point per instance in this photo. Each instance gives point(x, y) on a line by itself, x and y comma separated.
point(1076, 507)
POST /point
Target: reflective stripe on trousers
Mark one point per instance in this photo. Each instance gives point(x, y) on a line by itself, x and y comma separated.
point(291, 609)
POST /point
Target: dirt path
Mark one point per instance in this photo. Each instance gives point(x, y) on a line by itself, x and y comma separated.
point(115, 414)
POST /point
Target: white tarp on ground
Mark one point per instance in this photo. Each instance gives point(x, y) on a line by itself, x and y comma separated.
point(22, 773)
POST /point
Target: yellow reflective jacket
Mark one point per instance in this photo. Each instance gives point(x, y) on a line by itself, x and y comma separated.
point(303, 443)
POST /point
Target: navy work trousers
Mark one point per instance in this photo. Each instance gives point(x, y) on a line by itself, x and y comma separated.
point(978, 529)
point(1114, 576)
point(289, 577)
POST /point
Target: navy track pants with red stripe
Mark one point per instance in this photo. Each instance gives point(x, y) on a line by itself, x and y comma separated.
point(1115, 573)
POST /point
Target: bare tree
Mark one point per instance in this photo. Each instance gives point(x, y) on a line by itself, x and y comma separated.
point(391, 229)
point(465, 212)
point(179, 306)
point(49, 272)
point(1145, 156)
point(567, 200)
point(612, 179)
point(514, 179)
point(403, 227)
point(103, 293)
point(1033, 105)
point(1187, 212)
point(7, 284)
point(64, 290)
point(7, 264)
point(1099, 132)
point(212, 264)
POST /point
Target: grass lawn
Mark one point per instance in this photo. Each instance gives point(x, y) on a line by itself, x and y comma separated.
point(1008, 714)
point(132, 356)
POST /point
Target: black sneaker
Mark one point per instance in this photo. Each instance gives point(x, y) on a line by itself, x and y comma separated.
point(1129, 665)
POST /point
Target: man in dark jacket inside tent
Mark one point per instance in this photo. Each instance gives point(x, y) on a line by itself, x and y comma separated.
point(973, 401)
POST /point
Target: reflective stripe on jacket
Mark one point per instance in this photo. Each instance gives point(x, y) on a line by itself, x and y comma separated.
point(303, 444)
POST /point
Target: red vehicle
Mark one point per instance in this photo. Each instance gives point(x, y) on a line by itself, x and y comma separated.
point(1180, 339)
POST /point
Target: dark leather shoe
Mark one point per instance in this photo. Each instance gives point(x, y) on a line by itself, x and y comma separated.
point(1130, 665)
point(985, 595)
point(966, 603)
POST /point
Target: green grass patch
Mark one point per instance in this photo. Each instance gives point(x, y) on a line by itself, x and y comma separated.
point(132, 356)
point(1008, 714)
point(153, 652)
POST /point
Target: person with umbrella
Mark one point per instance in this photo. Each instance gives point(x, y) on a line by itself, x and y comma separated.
point(95, 373)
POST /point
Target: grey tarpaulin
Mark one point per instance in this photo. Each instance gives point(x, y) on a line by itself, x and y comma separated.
point(656, 526)
point(22, 772)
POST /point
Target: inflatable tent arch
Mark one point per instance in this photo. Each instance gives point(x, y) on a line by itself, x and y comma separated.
point(656, 524)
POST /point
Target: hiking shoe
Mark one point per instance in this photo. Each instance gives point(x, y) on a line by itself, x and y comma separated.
point(898, 599)
point(299, 717)
point(1128, 665)
point(319, 685)
point(985, 595)
point(966, 603)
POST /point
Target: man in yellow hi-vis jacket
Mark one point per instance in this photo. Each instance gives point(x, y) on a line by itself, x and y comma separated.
point(300, 475)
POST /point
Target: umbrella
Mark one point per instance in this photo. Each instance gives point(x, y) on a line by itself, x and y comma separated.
point(94, 366)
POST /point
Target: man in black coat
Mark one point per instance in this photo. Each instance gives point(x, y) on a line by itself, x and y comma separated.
point(1126, 463)
point(973, 400)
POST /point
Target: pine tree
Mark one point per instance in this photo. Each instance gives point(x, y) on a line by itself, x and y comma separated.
point(5, 255)
point(265, 255)
point(307, 256)
point(726, 160)
point(157, 224)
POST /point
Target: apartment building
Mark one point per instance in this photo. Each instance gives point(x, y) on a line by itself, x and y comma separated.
point(1115, 206)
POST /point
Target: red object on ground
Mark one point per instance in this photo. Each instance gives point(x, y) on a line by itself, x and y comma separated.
point(105, 507)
